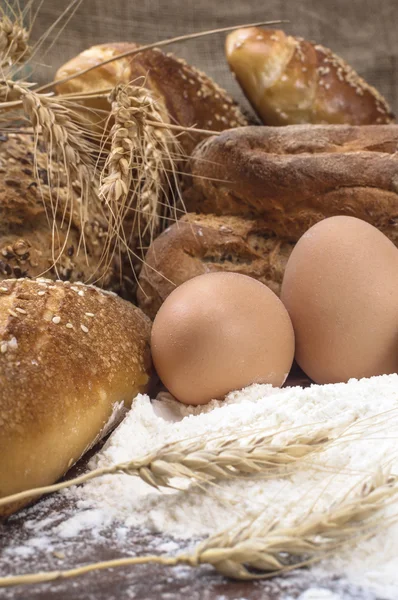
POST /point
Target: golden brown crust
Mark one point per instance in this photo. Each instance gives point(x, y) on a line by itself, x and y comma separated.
point(294, 176)
point(68, 354)
point(289, 80)
point(200, 244)
point(191, 98)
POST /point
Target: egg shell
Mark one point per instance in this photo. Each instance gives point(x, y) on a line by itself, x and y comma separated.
point(341, 290)
point(221, 332)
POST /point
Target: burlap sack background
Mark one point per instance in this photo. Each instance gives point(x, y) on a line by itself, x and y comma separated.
point(364, 32)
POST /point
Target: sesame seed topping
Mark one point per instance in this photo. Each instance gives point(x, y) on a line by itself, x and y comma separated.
point(3, 289)
point(84, 328)
point(21, 310)
point(41, 293)
point(69, 325)
point(80, 293)
point(56, 320)
point(13, 344)
point(3, 347)
point(12, 313)
point(90, 315)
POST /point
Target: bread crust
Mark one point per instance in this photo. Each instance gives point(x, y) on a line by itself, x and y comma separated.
point(294, 176)
point(199, 244)
point(27, 216)
point(71, 356)
point(289, 80)
point(191, 99)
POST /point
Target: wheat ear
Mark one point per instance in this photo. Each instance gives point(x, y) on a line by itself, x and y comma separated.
point(64, 140)
point(270, 549)
point(221, 458)
point(257, 551)
point(134, 183)
point(14, 43)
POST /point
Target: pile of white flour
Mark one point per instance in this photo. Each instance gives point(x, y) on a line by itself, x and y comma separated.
point(363, 413)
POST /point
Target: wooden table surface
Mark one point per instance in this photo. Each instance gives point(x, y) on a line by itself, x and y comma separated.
point(32, 540)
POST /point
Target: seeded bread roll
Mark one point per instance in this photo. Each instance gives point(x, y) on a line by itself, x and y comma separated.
point(200, 244)
point(72, 358)
point(190, 98)
point(289, 80)
point(27, 215)
point(294, 176)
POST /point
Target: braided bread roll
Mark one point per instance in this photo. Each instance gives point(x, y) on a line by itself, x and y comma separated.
point(289, 80)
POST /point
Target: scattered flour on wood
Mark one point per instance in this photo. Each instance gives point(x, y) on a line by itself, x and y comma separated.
point(369, 408)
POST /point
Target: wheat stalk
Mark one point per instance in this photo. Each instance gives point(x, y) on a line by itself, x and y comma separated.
point(64, 140)
point(201, 460)
point(270, 549)
point(255, 550)
point(14, 42)
point(135, 179)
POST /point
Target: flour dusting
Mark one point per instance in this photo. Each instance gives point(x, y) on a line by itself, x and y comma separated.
point(363, 415)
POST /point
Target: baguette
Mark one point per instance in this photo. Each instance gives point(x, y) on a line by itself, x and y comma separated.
point(289, 80)
point(189, 98)
point(199, 244)
point(294, 176)
point(72, 358)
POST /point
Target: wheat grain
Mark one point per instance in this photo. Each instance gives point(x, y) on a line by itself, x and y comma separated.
point(14, 43)
point(67, 149)
point(135, 178)
point(270, 549)
point(255, 550)
point(202, 460)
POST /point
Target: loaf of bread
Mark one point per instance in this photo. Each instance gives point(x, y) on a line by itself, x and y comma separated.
point(40, 226)
point(289, 80)
point(190, 98)
point(72, 358)
point(199, 244)
point(297, 175)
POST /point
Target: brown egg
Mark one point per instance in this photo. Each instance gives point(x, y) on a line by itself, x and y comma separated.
point(221, 332)
point(341, 290)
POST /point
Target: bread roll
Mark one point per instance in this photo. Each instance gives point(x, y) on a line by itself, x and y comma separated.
point(294, 176)
point(72, 357)
point(190, 98)
point(289, 80)
point(200, 244)
point(29, 207)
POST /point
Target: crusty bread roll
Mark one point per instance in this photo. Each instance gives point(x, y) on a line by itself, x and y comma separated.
point(27, 215)
point(191, 99)
point(289, 80)
point(71, 358)
point(199, 244)
point(294, 176)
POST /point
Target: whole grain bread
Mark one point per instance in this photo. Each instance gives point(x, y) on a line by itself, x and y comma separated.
point(72, 358)
point(294, 176)
point(27, 217)
point(199, 244)
point(40, 225)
